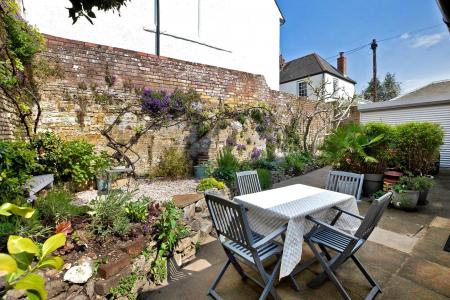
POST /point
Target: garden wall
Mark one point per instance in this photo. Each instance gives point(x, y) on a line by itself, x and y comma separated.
point(87, 65)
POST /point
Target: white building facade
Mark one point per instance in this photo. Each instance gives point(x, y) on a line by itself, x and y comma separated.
point(242, 35)
point(303, 77)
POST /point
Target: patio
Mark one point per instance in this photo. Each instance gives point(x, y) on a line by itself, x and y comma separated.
point(405, 255)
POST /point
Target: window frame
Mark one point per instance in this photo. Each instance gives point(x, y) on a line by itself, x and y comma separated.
point(303, 89)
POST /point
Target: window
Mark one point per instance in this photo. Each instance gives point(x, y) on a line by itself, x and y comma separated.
point(335, 85)
point(302, 89)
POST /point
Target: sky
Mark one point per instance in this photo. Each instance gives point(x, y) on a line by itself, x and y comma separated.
point(330, 26)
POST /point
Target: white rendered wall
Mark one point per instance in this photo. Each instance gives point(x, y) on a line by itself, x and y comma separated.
point(345, 88)
point(248, 31)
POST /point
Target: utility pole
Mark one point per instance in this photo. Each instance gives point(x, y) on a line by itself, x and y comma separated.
point(374, 46)
point(158, 29)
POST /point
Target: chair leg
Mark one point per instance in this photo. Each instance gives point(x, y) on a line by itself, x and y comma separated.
point(212, 290)
point(325, 251)
point(236, 264)
point(376, 288)
point(328, 272)
point(268, 280)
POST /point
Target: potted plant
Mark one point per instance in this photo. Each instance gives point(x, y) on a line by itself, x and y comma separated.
point(423, 184)
point(102, 163)
point(347, 149)
point(405, 193)
point(201, 166)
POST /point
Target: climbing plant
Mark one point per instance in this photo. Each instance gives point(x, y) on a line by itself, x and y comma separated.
point(21, 70)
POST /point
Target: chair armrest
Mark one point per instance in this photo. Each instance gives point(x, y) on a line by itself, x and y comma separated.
point(348, 213)
point(270, 237)
point(320, 223)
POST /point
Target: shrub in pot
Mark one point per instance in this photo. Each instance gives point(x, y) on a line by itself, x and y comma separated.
point(406, 192)
point(417, 146)
point(423, 184)
point(346, 149)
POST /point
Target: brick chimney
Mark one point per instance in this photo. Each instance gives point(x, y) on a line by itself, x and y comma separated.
point(342, 64)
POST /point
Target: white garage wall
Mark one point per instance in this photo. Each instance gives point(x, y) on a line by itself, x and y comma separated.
point(438, 114)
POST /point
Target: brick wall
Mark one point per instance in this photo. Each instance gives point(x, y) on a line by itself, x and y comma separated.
point(86, 63)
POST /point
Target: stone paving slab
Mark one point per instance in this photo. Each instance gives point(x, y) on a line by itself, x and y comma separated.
point(440, 223)
point(181, 201)
point(393, 240)
point(431, 246)
point(400, 288)
point(428, 274)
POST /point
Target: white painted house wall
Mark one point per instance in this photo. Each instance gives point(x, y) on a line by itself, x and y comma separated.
point(434, 113)
point(247, 32)
point(345, 89)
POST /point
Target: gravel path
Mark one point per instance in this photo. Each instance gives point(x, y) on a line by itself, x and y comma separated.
point(159, 190)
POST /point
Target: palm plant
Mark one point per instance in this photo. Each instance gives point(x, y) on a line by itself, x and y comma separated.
point(345, 148)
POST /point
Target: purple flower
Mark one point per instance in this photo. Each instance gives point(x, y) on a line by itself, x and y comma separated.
point(256, 153)
point(241, 147)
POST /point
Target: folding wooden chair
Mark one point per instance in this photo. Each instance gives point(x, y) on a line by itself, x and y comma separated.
point(326, 236)
point(345, 182)
point(248, 182)
point(240, 243)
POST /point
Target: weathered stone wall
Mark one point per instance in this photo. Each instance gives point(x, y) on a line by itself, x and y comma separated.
point(8, 120)
point(86, 64)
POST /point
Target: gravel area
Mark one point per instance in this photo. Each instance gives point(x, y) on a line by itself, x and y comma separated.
point(159, 190)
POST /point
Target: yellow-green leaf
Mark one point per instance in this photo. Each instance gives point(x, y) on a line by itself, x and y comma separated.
point(7, 264)
point(55, 262)
point(52, 243)
point(6, 209)
point(34, 285)
point(17, 244)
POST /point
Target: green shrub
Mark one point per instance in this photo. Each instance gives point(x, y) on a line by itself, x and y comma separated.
point(417, 146)
point(137, 211)
point(265, 178)
point(17, 162)
point(382, 149)
point(124, 287)
point(109, 215)
point(345, 149)
point(170, 226)
point(227, 166)
point(68, 160)
point(295, 162)
point(209, 183)
point(173, 164)
point(57, 206)
point(423, 183)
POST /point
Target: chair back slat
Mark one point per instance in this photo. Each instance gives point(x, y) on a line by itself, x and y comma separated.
point(229, 220)
point(373, 216)
point(345, 182)
point(248, 182)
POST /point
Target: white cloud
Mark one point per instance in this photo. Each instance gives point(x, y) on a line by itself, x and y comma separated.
point(425, 41)
point(405, 36)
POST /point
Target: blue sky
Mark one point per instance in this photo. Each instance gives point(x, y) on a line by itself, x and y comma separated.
point(330, 26)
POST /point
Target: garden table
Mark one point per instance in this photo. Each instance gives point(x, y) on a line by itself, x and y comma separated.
point(271, 209)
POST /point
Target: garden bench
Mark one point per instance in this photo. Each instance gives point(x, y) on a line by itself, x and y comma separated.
point(38, 183)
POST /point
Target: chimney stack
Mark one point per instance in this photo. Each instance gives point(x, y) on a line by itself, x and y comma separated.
point(342, 64)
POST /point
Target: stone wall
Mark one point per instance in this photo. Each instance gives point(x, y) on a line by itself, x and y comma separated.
point(86, 64)
point(8, 120)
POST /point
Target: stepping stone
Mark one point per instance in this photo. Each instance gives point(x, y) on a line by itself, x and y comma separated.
point(393, 240)
point(181, 201)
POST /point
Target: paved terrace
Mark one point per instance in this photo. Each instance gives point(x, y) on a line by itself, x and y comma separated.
point(405, 255)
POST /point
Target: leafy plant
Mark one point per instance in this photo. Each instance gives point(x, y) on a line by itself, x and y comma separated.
point(17, 162)
point(137, 210)
point(109, 215)
point(295, 162)
point(57, 206)
point(19, 267)
point(124, 287)
point(417, 146)
point(170, 226)
point(227, 165)
point(173, 164)
point(209, 183)
point(345, 148)
point(158, 271)
point(423, 183)
point(265, 178)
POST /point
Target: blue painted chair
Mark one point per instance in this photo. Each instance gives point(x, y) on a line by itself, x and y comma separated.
point(241, 244)
point(345, 182)
point(248, 182)
point(326, 236)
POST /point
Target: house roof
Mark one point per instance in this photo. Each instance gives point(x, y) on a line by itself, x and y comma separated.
point(437, 92)
point(309, 65)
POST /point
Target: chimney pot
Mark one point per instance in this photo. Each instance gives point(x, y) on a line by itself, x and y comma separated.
point(342, 64)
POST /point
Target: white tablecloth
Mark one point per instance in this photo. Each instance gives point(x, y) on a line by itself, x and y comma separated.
point(270, 209)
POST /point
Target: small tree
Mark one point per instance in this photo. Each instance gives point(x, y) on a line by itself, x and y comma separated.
point(391, 88)
point(311, 120)
point(369, 91)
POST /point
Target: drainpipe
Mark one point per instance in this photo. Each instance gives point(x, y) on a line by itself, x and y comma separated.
point(158, 30)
